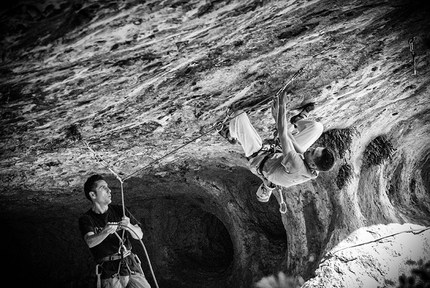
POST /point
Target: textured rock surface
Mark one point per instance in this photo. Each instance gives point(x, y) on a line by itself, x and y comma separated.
point(140, 78)
point(373, 256)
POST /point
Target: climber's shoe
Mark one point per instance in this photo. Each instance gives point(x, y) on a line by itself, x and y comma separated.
point(264, 192)
point(305, 109)
point(225, 132)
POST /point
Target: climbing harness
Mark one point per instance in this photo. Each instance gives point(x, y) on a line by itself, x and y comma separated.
point(269, 150)
point(122, 253)
point(411, 48)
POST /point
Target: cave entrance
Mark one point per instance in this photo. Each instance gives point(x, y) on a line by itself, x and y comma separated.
point(190, 246)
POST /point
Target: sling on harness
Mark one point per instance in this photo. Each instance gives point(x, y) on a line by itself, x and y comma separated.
point(99, 267)
point(122, 253)
point(268, 150)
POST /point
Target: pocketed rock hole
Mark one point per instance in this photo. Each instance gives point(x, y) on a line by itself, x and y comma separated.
point(193, 247)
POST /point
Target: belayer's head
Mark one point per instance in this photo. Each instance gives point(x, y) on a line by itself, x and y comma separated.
point(93, 187)
point(320, 158)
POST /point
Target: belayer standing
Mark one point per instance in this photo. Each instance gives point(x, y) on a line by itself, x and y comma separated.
point(296, 162)
point(107, 233)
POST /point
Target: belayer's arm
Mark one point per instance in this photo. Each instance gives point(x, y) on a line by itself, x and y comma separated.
point(92, 239)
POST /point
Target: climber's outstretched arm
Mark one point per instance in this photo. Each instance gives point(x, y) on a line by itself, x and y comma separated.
point(285, 136)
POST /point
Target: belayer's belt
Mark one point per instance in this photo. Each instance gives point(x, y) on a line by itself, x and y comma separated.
point(113, 257)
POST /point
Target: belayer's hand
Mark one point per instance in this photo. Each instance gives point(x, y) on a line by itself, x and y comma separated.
point(110, 228)
point(125, 222)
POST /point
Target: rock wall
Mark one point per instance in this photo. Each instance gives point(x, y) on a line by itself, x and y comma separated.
point(374, 256)
point(138, 80)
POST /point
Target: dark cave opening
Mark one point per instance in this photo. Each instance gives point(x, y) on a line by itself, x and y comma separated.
point(425, 174)
point(420, 197)
point(190, 247)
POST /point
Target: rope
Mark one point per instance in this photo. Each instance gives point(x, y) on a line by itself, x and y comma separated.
point(100, 159)
point(121, 181)
point(146, 254)
point(169, 153)
point(414, 231)
point(122, 198)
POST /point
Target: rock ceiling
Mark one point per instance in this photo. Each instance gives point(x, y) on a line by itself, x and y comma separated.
point(139, 80)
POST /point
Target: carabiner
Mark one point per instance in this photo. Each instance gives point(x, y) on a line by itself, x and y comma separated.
point(98, 269)
point(282, 204)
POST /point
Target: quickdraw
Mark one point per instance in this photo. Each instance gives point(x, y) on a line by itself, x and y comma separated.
point(282, 204)
point(98, 275)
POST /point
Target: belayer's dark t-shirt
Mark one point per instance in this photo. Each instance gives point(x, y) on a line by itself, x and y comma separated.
point(93, 222)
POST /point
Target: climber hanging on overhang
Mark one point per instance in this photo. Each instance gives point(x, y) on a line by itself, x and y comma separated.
point(292, 163)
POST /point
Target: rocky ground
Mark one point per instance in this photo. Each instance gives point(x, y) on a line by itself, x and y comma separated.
point(132, 81)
